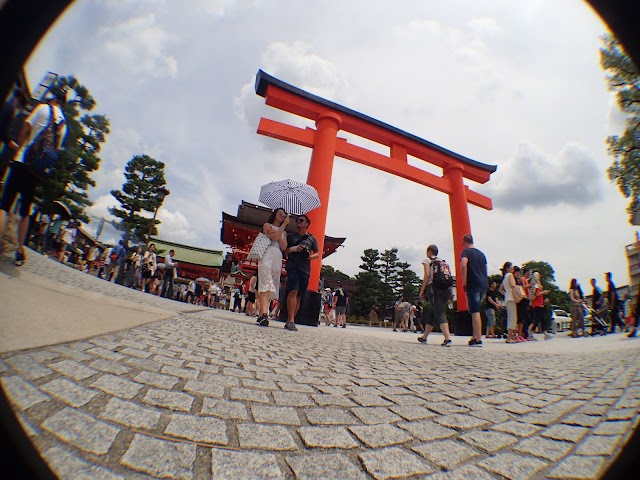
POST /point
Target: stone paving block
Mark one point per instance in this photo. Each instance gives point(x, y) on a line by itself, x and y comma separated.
point(613, 428)
point(72, 353)
point(329, 416)
point(324, 465)
point(203, 367)
point(446, 454)
point(81, 430)
point(135, 352)
point(294, 387)
point(335, 400)
point(160, 458)
point(204, 388)
point(446, 408)
point(413, 412)
point(248, 395)
point(69, 392)
point(130, 414)
point(582, 420)
point(594, 409)
point(66, 465)
point(460, 421)
point(168, 361)
point(28, 367)
point(427, 430)
point(227, 464)
point(404, 400)
point(224, 409)
point(74, 370)
point(259, 384)
point(492, 415)
point(221, 380)
point(186, 373)
point(515, 408)
point(374, 415)
point(156, 380)
point(108, 366)
point(327, 437)
point(622, 414)
point(267, 437)
point(599, 445)
point(120, 387)
point(272, 414)
point(21, 393)
point(393, 462)
point(473, 404)
point(463, 473)
point(106, 354)
point(578, 467)
point(489, 441)
point(544, 447)
point(166, 399)
point(435, 398)
point(143, 364)
point(237, 372)
point(207, 430)
point(331, 390)
point(376, 436)
point(565, 432)
point(514, 467)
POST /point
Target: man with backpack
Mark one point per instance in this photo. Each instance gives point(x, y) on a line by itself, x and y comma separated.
point(38, 142)
point(475, 281)
point(436, 284)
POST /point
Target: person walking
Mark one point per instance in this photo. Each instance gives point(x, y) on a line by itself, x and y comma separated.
point(169, 275)
point(537, 306)
point(44, 128)
point(491, 307)
point(613, 302)
point(437, 298)
point(576, 309)
point(506, 288)
point(133, 268)
point(302, 247)
point(116, 257)
point(148, 266)
point(270, 264)
point(473, 270)
point(340, 302)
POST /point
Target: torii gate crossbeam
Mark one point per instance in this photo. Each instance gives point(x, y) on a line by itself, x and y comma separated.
point(330, 118)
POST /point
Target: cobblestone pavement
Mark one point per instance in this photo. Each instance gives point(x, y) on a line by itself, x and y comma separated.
point(207, 394)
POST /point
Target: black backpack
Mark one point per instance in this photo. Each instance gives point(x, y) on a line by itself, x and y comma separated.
point(42, 155)
point(441, 272)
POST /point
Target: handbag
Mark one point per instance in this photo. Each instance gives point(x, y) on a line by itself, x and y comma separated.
point(518, 293)
point(259, 247)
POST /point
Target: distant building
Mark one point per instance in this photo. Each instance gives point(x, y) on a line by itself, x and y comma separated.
point(193, 262)
point(633, 263)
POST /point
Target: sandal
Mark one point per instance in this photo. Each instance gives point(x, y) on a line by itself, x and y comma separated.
point(20, 257)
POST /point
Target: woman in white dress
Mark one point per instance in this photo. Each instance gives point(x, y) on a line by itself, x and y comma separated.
point(270, 265)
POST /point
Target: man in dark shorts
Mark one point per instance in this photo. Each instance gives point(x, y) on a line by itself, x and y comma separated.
point(340, 302)
point(302, 247)
point(22, 179)
point(473, 269)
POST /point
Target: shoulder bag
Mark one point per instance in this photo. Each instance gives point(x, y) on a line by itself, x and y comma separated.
point(259, 247)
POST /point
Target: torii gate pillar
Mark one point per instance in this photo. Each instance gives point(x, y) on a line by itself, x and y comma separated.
point(319, 176)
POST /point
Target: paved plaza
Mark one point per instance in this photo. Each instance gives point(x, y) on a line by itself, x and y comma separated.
point(111, 383)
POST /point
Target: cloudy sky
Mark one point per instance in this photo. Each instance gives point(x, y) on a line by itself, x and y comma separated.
point(512, 84)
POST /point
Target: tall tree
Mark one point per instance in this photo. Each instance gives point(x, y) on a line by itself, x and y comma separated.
point(328, 272)
point(623, 78)
point(144, 180)
point(371, 261)
point(79, 156)
point(370, 293)
point(408, 282)
point(389, 268)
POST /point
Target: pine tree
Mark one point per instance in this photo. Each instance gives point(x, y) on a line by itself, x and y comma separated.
point(144, 181)
point(624, 79)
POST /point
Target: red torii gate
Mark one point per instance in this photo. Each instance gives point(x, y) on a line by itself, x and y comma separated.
point(325, 143)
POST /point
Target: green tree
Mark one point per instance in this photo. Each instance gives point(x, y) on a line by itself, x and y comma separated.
point(389, 267)
point(371, 261)
point(79, 155)
point(328, 272)
point(408, 282)
point(144, 180)
point(371, 291)
point(623, 78)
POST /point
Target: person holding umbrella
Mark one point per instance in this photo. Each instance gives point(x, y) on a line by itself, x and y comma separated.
point(270, 264)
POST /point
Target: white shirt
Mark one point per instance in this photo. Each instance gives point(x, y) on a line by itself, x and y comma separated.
point(39, 119)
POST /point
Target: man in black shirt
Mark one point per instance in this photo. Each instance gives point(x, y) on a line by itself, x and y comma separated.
point(491, 307)
point(302, 247)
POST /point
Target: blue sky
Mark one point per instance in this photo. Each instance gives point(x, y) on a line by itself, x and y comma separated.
point(513, 84)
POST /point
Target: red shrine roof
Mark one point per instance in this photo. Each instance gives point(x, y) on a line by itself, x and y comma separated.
point(239, 232)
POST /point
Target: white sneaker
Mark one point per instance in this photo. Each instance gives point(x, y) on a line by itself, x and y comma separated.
point(547, 336)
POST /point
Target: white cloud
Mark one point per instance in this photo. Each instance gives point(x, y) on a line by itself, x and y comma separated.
point(139, 45)
point(175, 227)
point(535, 179)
